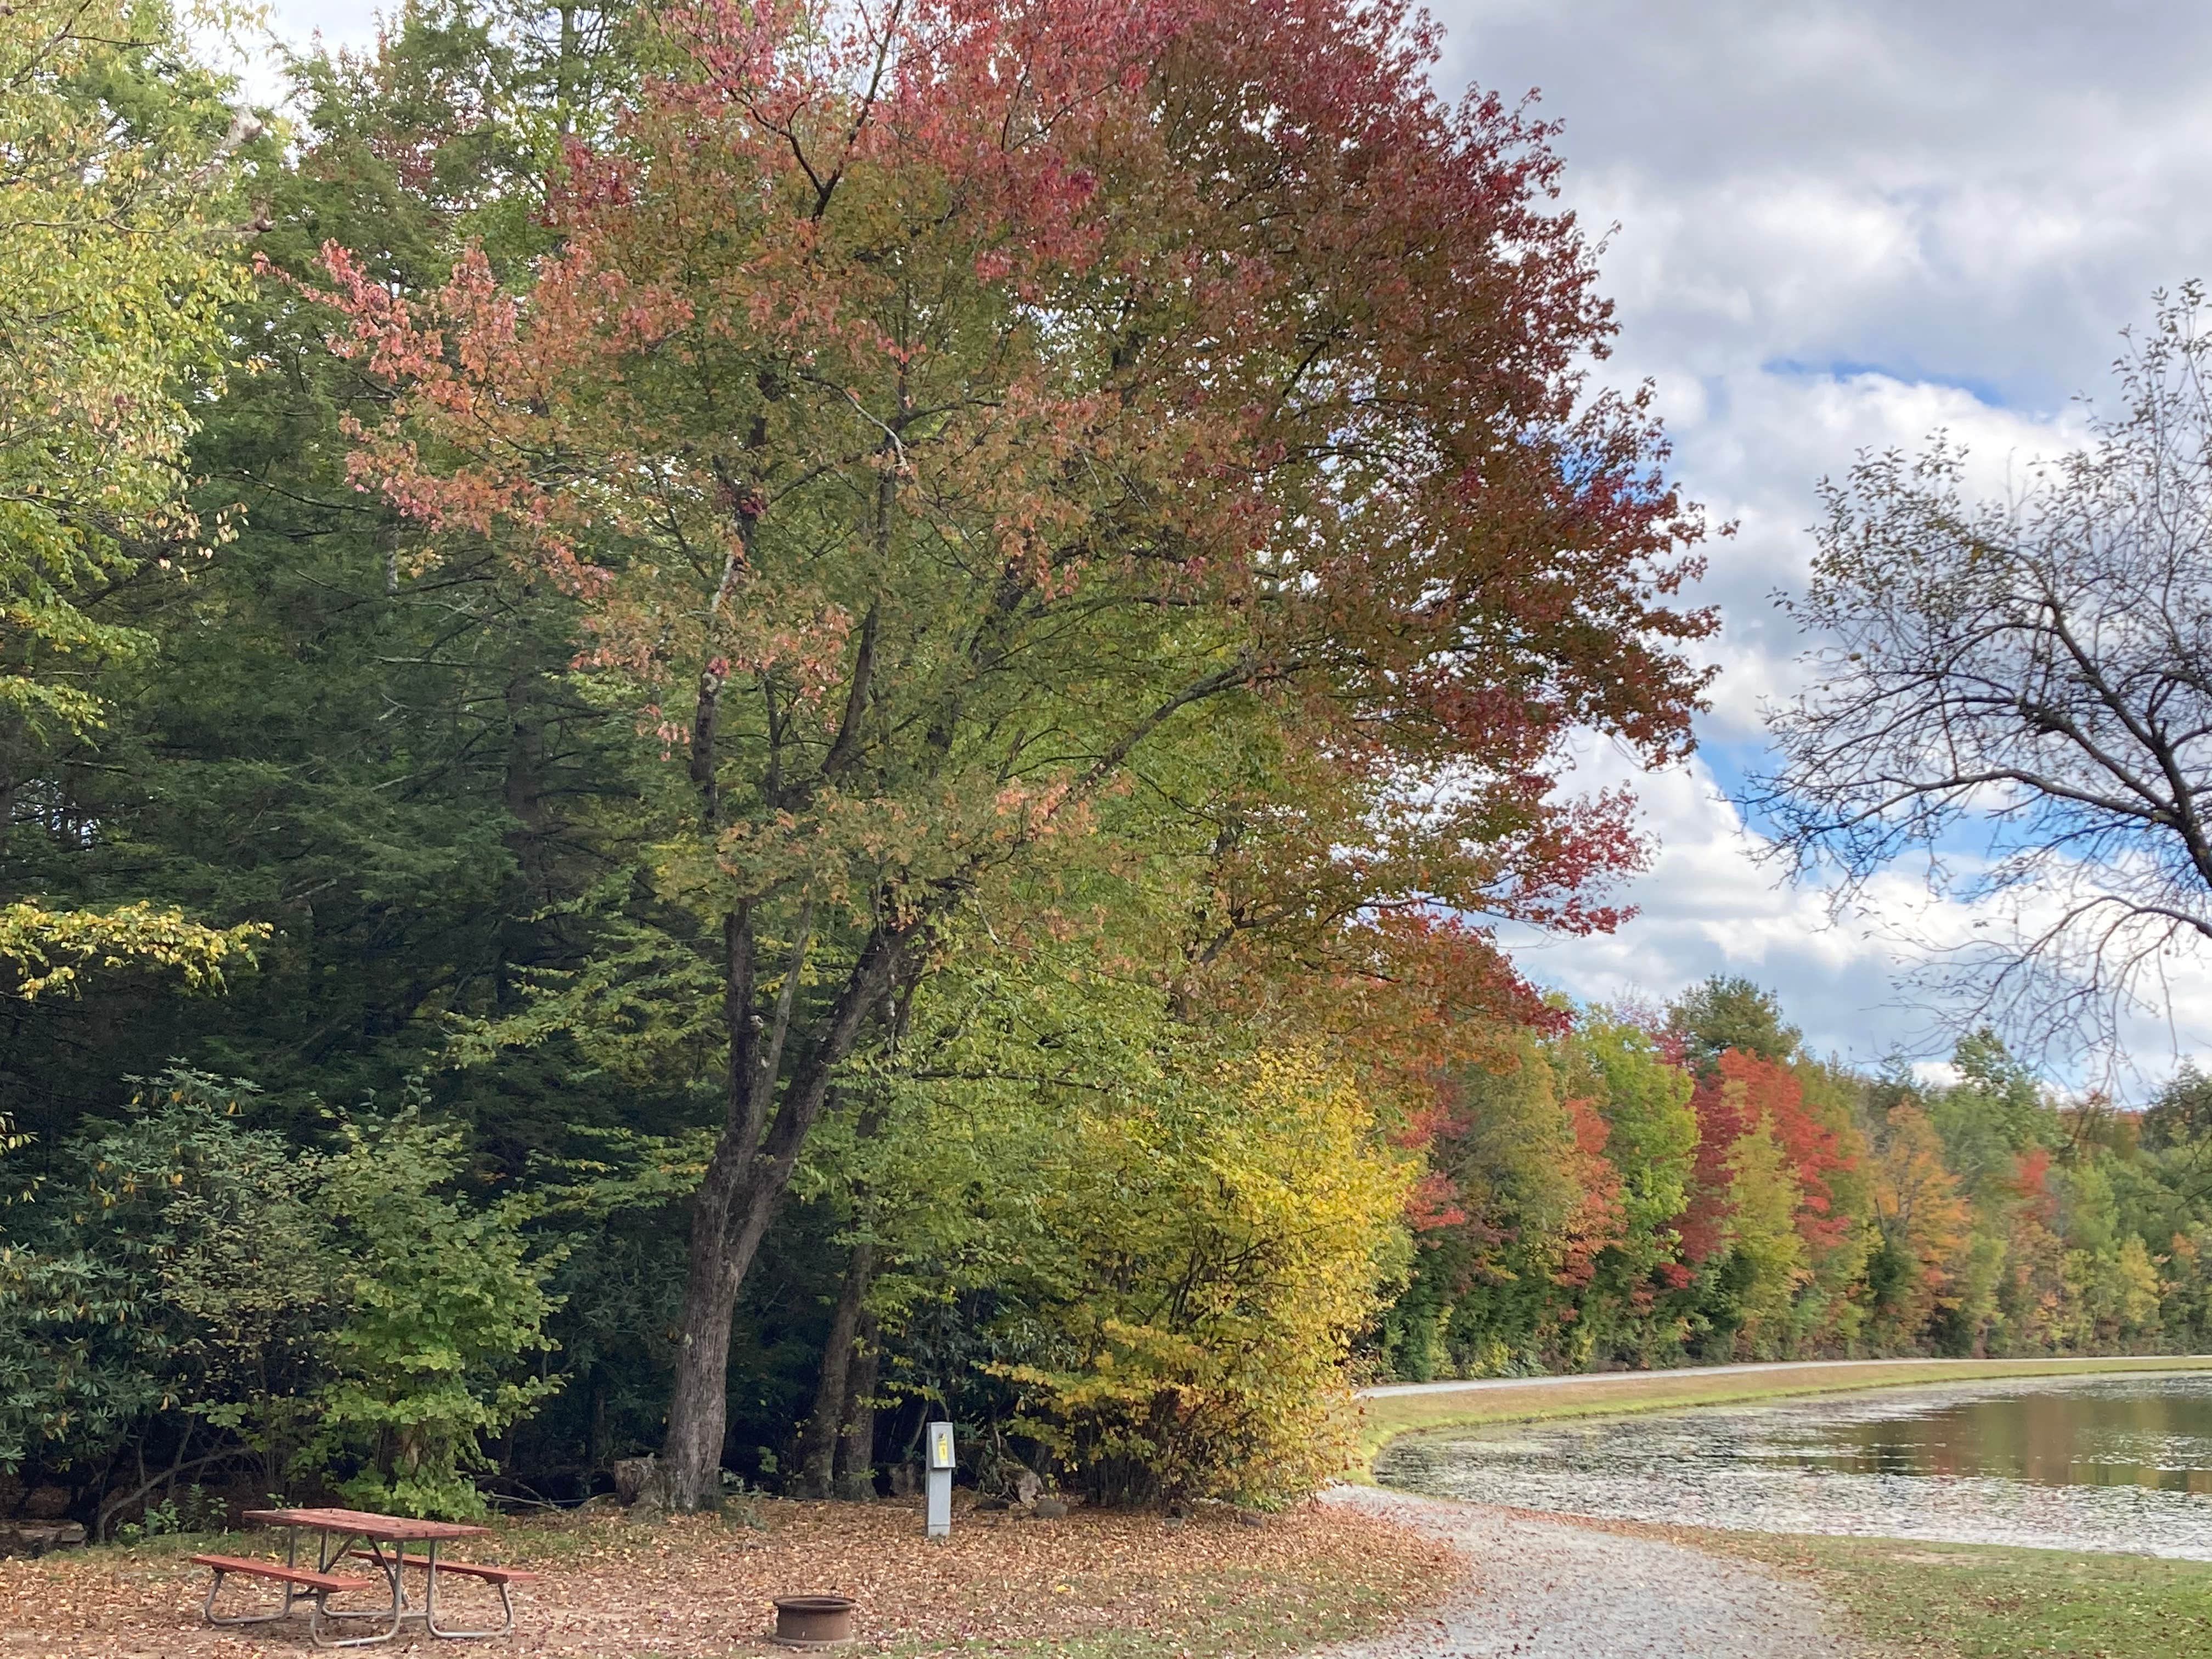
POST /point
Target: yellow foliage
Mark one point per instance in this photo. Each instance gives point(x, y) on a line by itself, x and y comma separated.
point(44, 950)
point(2112, 1295)
point(1763, 1199)
point(1921, 1217)
point(1219, 1247)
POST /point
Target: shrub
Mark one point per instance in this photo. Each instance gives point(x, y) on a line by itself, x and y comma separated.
point(200, 1291)
point(1204, 1260)
point(170, 1266)
point(443, 1301)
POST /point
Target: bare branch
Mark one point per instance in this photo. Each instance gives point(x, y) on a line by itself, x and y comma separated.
point(2016, 692)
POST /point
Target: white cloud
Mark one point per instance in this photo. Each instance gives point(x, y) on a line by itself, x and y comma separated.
point(1711, 905)
point(1841, 226)
point(1969, 189)
point(1707, 908)
point(1755, 452)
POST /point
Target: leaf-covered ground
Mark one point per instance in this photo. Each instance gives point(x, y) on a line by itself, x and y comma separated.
point(1092, 1584)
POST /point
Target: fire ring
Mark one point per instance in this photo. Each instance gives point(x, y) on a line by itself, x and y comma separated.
point(815, 1621)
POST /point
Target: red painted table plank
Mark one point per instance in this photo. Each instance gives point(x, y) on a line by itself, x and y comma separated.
point(385, 1528)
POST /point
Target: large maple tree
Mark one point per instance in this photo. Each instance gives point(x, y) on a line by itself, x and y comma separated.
point(945, 409)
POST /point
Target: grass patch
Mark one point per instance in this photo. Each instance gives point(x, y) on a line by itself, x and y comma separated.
point(1612, 1395)
point(1982, 1601)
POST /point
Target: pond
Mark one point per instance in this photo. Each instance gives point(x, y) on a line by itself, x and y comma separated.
point(2121, 1463)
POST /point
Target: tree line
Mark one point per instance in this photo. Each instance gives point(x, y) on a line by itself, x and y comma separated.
point(724, 726)
point(1697, 1187)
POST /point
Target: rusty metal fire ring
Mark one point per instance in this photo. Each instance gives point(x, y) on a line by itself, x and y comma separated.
point(815, 1621)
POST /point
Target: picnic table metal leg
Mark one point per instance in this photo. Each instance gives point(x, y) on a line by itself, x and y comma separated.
point(209, 1615)
point(430, 1607)
point(318, 1615)
point(333, 1548)
point(319, 1612)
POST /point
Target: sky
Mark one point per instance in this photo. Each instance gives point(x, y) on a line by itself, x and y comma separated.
point(1829, 228)
point(1838, 226)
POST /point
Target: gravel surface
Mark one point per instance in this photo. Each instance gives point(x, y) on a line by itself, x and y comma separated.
point(1541, 1589)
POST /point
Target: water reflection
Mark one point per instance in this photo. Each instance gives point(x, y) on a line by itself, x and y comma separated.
point(2103, 1463)
point(2108, 1433)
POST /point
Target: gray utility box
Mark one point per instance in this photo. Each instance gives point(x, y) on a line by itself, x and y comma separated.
point(937, 1464)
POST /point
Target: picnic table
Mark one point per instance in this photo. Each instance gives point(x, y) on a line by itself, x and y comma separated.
point(378, 1541)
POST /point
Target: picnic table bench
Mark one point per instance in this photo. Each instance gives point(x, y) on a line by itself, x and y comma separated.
point(298, 1579)
point(358, 1535)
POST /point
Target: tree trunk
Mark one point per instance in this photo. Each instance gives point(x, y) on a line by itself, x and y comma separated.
point(856, 1445)
point(745, 1180)
point(595, 1442)
point(698, 1402)
point(755, 1154)
point(818, 1456)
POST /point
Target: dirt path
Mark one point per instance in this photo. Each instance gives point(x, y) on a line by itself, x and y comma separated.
point(1541, 1589)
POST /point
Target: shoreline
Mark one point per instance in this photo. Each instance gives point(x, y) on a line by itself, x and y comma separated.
point(1546, 1583)
point(1393, 1409)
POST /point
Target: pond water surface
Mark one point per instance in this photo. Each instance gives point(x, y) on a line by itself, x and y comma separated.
point(2121, 1462)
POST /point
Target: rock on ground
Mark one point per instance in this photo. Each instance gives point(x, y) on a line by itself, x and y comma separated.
point(1541, 1588)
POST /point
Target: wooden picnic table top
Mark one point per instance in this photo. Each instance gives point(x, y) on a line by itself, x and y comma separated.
point(385, 1528)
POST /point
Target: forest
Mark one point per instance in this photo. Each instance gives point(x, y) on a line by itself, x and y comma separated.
point(726, 725)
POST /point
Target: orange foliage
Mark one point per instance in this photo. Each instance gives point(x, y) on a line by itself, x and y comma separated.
point(1741, 1092)
point(1921, 1211)
point(1597, 1220)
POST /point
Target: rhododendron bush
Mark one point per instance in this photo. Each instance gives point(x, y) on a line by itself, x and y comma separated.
point(940, 412)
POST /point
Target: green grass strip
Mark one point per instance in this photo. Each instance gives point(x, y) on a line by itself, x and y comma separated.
point(1984, 1602)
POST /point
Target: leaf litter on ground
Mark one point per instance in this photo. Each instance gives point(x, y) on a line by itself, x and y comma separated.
point(1103, 1583)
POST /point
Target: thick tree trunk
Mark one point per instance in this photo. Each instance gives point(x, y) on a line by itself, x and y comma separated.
point(727, 1227)
point(745, 1181)
point(698, 1403)
point(856, 1442)
point(757, 1153)
point(818, 1456)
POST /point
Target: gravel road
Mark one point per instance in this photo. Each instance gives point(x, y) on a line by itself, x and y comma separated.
point(1546, 1590)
